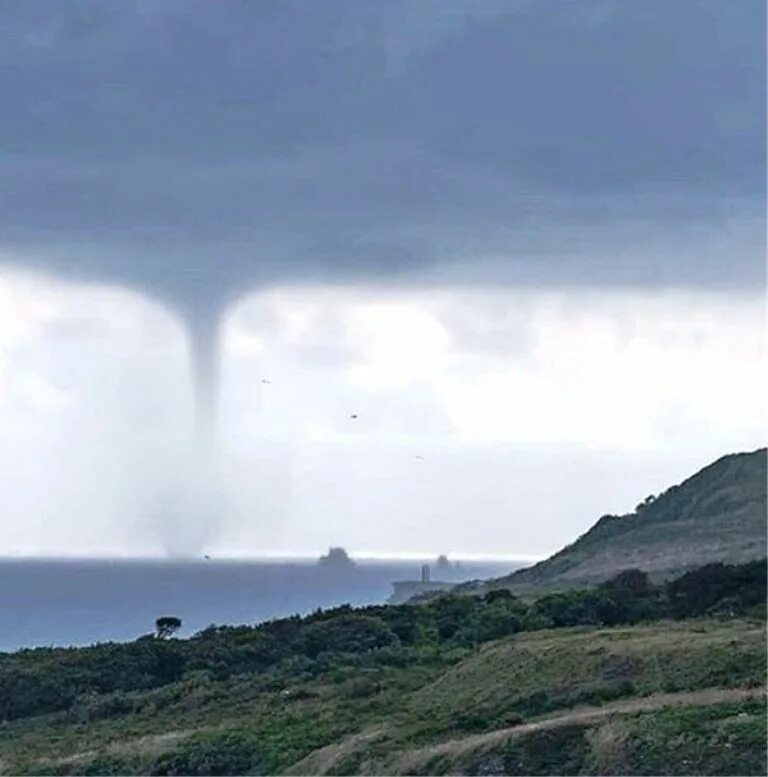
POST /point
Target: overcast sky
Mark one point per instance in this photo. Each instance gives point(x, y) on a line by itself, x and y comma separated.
point(523, 241)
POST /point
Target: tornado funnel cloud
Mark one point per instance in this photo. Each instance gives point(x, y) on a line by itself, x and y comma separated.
point(188, 505)
point(204, 333)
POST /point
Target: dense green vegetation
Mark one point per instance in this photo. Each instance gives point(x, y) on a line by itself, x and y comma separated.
point(237, 700)
point(48, 680)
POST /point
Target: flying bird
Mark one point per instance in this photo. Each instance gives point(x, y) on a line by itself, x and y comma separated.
point(354, 415)
point(421, 458)
point(268, 382)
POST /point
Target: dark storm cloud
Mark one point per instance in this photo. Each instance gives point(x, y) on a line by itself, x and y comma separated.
point(197, 149)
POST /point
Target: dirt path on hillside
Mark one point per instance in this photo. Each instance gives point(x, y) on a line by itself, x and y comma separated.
point(411, 762)
point(326, 759)
point(323, 760)
point(149, 744)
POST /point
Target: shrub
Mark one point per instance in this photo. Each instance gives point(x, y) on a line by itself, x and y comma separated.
point(220, 753)
point(719, 588)
point(346, 634)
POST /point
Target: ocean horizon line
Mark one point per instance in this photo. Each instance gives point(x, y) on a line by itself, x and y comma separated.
point(267, 556)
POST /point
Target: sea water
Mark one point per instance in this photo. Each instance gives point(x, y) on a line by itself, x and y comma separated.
point(80, 602)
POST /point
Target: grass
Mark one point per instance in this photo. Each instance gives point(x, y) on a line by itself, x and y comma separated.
point(540, 672)
point(723, 739)
point(368, 715)
point(720, 739)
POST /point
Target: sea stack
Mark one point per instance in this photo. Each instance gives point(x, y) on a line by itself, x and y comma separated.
point(336, 558)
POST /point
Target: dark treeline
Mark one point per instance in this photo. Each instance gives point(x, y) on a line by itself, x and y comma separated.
point(48, 680)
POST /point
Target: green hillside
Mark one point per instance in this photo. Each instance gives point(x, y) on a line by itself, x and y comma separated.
point(625, 678)
point(674, 699)
point(718, 514)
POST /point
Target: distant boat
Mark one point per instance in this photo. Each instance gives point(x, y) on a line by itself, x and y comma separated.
point(336, 558)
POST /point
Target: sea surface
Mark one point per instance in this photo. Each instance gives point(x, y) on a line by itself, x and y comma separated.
point(81, 602)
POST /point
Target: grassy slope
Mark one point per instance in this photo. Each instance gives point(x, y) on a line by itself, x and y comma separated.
point(384, 719)
point(718, 514)
point(709, 732)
